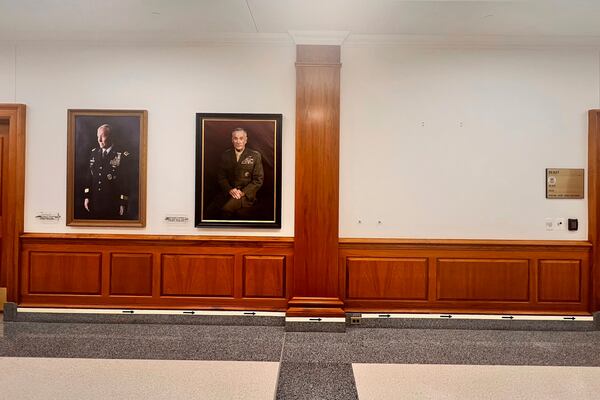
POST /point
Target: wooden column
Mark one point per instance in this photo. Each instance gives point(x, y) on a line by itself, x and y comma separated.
point(316, 289)
point(594, 202)
point(13, 196)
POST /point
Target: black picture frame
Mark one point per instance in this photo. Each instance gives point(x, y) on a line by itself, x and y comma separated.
point(120, 175)
point(217, 170)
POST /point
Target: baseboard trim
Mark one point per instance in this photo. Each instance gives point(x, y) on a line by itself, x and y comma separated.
point(2, 298)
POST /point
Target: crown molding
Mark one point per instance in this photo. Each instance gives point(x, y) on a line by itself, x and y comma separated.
point(163, 40)
point(334, 38)
point(474, 41)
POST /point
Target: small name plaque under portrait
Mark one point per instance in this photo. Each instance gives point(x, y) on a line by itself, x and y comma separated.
point(564, 183)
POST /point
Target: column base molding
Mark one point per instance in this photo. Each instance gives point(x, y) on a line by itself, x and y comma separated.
point(315, 307)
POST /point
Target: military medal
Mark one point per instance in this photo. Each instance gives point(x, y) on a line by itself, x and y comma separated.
point(109, 176)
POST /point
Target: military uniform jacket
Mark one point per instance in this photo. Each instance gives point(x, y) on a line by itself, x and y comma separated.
point(246, 174)
point(107, 183)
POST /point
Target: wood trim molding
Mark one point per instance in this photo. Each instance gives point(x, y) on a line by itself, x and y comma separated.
point(163, 240)
point(12, 222)
point(594, 201)
point(462, 244)
point(316, 270)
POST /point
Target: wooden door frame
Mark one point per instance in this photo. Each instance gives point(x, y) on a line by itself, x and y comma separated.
point(594, 203)
point(14, 189)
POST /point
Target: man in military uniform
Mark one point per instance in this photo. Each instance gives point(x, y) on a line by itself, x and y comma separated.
point(240, 176)
point(106, 191)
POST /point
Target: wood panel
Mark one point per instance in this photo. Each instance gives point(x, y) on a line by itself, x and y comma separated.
point(594, 201)
point(559, 280)
point(485, 279)
point(476, 276)
point(131, 274)
point(13, 195)
point(264, 276)
point(197, 275)
point(154, 271)
point(387, 278)
point(553, 279)
point(316, 270)
point(71, 273)
point(3, 170)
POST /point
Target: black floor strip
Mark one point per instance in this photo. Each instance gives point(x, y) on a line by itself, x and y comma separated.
point(316, 381)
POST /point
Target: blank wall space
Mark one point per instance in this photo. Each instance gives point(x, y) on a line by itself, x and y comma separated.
point(453, 143)
point(7, 74)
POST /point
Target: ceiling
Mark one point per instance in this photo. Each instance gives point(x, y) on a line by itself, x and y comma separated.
point(191, 20)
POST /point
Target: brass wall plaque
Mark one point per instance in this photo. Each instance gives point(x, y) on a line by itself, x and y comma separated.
point(564, 183)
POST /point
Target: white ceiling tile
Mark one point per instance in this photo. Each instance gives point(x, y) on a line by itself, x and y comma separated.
point(189, 20)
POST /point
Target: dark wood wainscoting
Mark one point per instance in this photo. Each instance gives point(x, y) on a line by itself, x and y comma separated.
point(466, 276)
point(155, 271)
point(144, 271)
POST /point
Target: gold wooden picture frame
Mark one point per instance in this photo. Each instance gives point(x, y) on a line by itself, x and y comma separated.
point(106, 167)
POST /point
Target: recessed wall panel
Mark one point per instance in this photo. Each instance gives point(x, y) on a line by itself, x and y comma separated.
point(65, 273)
point(387, 278)
point(559, 280)
point(197, 275)
point(483, 279)
point(264, 276)
point(131, 274)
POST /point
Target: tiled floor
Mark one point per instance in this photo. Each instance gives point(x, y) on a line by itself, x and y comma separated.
point(418, 382)
point(64, 360)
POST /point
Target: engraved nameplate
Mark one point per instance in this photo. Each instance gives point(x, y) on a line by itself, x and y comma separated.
point(564, 183)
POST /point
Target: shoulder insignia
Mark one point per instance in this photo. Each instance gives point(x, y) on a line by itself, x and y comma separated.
point(94, 149)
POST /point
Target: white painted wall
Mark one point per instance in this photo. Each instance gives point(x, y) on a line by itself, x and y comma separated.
point(521, 111)
point(173, 83)
point(454, 143)
point(7, 73)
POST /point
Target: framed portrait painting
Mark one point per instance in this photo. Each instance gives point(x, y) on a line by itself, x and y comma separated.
point(238, 170)
point(106, 168)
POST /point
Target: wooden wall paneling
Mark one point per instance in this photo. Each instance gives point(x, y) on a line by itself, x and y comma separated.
point(14, 196)
point(343, 274)
point(105, 276)
point(264, 276)
point(560, 281)
point(156, 274)
point(594, 203)
point(469, 297)
point(131, 274)
point(3, 170)
point(144, 245)
point(534, 268)
point(483, 279)
point(399, 278)
point(60, 273)
point(316, 276)
point(198, 275)
point(238, 280)
point(432, 274)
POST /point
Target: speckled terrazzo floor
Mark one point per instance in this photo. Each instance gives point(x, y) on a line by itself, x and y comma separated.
point(297, 365)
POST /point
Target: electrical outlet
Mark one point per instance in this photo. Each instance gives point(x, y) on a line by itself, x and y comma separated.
point(354, 320)
point(549, 224)
point(559, 224)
